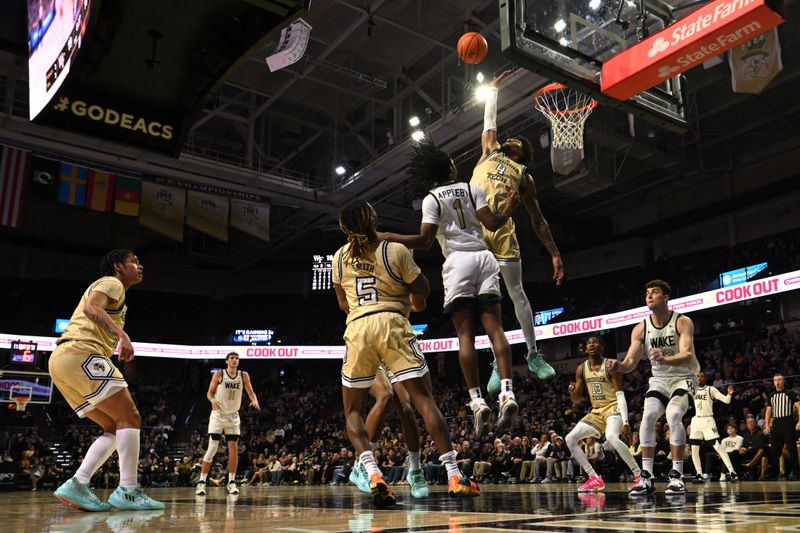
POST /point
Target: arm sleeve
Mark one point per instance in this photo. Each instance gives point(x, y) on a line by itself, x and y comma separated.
point(479, 196)
point(623, 406)
point(490, 110)
point(430, 210)
point(408, 269)
point(717, 395)
point(111, 287)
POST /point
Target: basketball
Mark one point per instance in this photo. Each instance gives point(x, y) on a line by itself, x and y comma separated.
point(472, 48)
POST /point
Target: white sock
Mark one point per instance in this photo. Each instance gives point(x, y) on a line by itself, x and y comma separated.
point(647, 464)
point(128, 449)
point(724, 456)
point(475, 393)
point(506, 385)
point(413, 460)
point(97, 454)
point(203, 477)
point(231, 477)
point(678, 465)
point(368, 460)
point(449, 461)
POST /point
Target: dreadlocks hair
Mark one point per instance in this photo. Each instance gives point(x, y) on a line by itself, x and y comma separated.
point(658, 283)
point(355, 220)
point(430, 164)
point(111, 258)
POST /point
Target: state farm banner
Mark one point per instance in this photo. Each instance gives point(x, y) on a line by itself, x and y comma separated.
point(696, 302)
point(703, 34)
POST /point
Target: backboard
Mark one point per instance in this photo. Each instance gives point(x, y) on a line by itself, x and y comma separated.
point(568, 40)
point(40, 384)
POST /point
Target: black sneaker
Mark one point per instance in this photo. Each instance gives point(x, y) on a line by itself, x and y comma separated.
point(733, 477)
point(675, 487)
point(699, 478)
point(645, 486)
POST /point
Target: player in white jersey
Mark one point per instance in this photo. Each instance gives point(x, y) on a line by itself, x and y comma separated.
point(668, 339)
point(452, 213)
point(703, 427)
point(225, 395)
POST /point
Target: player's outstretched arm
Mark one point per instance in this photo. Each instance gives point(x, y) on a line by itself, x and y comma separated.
point(489, 136)
point(248, 386)
point(685, 328)
point(212, 389)
point(576, 389)
point(540, 226)
point(422, 241)
point(634, 355)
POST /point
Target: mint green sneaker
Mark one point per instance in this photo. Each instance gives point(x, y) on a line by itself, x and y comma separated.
point(493, 387)
point(133, 500)
point(359, 477)
point(539, 366)
point(80, 496)
point(419, 487)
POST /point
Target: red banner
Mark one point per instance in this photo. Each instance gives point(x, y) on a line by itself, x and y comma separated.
point(693, 39)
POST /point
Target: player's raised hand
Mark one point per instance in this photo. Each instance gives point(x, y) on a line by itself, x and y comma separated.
point(572, 387)
point(499, 78)
point(558, 270)
point(255, 405)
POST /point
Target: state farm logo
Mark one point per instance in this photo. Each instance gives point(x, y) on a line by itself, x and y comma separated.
point(659, 45)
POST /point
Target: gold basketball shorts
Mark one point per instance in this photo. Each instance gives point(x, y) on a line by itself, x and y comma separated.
point(503, 242)
point(597, 417)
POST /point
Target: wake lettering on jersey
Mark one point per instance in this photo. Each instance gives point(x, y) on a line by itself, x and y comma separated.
point(229, 385)
point(666, 338)
point(663, 342)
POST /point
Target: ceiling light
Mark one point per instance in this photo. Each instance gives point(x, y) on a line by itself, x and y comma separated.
point(482, 92)
point(414, 121)
point(340, 170)
point(479, 77)
point(560, 25)
point(563, 41)
point(594, 4)
point(417, 135)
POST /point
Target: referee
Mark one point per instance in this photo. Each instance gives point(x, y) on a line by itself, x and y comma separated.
point(780, 413)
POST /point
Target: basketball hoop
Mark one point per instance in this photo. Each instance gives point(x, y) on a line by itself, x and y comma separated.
point(21, 401)
point(567, 111)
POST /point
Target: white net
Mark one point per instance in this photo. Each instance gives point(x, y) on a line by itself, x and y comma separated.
point(567, 111)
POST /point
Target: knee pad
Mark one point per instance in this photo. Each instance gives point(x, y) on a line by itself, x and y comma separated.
point(213, 444)
point(676, 408)
point(653, 409)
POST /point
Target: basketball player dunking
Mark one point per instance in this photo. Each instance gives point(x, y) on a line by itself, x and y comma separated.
point(225, 395)
point(668, 338)
point(453, 213)
point(81, 368)
point(609, 413)
point(501, 170)
point(377, 284)
point(704, 427)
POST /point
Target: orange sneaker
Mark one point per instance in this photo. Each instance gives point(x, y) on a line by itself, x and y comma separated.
point(462, 487)
point(382, 496)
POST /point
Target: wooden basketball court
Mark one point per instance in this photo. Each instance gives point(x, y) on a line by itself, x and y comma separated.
point(745, 507)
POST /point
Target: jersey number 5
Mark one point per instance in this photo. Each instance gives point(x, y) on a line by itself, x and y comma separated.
point(366, 291)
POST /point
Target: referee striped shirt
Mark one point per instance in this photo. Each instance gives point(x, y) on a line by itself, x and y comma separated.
point(782, 403)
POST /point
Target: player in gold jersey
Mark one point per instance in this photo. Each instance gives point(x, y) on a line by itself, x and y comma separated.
point(377, 284)
point(609, 412)
point(81, 368)
point(501, 170)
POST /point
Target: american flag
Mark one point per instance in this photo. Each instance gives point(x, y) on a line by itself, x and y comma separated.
point(13, 168)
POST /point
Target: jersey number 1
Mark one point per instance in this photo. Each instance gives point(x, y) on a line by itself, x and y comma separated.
point(460, 213)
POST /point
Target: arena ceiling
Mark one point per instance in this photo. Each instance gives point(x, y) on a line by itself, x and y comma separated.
point(370, 66)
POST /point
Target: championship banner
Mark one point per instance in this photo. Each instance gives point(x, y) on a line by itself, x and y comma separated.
point(208, 213)
point(162, 209)
point(755, 63)
point(250, 217)
point(703, 34)
point(789, 281)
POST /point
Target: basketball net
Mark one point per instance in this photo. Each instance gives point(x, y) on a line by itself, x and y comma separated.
point(21, 401)
point(567, 111)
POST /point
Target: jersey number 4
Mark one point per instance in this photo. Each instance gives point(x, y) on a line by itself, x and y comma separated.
point(366, 291)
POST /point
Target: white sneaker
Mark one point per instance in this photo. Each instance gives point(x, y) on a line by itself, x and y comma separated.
point(507, 417)
point(675, 487)
point(481, 414)
point(201, 489)
point(232, 488)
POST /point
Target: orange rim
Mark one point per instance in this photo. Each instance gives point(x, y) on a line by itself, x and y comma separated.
point(555, 87)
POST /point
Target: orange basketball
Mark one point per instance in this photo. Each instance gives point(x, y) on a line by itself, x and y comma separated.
point(472, 48)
